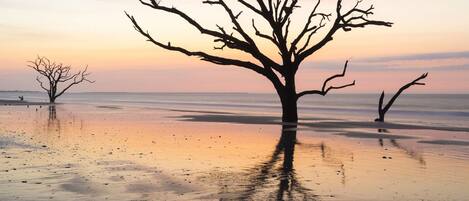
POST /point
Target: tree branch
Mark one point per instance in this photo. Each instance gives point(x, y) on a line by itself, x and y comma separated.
point(251, 7)
point(383, 111)
point(228, 39)
point(307, 28)
point(78, 78)
point(251, 47)
point(42, 84)
point(277, 14)
point(325, 90)
point(354, 18)
point(265, 36)
point(202, 55)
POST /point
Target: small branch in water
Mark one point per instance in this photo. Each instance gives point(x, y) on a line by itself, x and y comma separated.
point(383, 110)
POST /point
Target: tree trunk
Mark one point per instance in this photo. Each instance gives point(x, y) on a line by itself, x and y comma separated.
point(289, 102)
point(289, 110)
point(52, 98)
point(52, 93)
point(380, 118)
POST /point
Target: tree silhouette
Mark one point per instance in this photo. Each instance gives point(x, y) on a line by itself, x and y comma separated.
point(293, 50)
point(274, 178)
point(383, 110)
point(56, 75)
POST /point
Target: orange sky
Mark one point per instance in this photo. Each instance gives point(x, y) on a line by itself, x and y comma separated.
point(427, 36)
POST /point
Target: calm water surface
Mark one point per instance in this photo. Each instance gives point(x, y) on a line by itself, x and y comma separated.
point(224, 146)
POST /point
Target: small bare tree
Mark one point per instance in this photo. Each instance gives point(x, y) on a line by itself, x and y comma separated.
point(383, 110)
point(56, 75)
point(293, 49)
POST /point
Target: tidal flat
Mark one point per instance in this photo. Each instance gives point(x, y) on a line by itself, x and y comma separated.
point(117, 152)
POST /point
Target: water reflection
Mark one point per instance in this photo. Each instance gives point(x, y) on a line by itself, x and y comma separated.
point(53, 123)
point(409, 152)
point(52, 113)
point(413, 154)
point(127, 156)
point(289, 184)
point(275, 178)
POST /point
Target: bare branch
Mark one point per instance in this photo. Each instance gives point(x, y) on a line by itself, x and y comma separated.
point(247, 45)
point(354, 18)
point(380, 106)
point(277, 14)
point(252, 47)
point(382, 111)
point(202, 55)
point(78, 78)
point(258, 33)
point(307, 28)
point(325, 90)
point(251, 7)
point(41, 84)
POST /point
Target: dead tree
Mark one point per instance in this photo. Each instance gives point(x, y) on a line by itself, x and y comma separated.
point(56, 75)
point(293, 50)
point(383, 110)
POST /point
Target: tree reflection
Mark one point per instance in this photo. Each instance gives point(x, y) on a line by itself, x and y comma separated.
point(53, 123)
point(263, 177)
point(407, 150)
point(410, 152)
point(52, 113)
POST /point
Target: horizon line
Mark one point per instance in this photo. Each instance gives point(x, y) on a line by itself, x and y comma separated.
point(219, 92)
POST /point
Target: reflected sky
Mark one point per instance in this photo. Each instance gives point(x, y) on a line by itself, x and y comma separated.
point(115, 153)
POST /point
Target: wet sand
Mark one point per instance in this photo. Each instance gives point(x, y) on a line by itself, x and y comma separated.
point(107, 152)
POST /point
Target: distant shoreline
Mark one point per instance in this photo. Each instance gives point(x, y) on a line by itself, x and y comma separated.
point(19, 103)
point(216, 92)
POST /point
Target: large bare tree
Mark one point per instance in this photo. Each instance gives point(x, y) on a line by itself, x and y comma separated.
point(58, 77)
point(293, 50)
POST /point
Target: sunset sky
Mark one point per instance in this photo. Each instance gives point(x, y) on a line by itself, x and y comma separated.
point(428, 36)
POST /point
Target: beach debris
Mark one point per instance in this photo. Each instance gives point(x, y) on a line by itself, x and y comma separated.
point(383, 110)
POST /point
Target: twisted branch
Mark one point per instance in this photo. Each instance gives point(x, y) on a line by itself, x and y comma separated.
point(383, 110)
point(354, 18)
point(325, 90)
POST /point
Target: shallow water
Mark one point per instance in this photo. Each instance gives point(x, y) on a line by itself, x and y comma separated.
point(122, 152)
point(450, 109)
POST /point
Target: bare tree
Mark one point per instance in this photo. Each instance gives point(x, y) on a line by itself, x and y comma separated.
point(56, 75)
point(383, 110)
point(293, 50)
